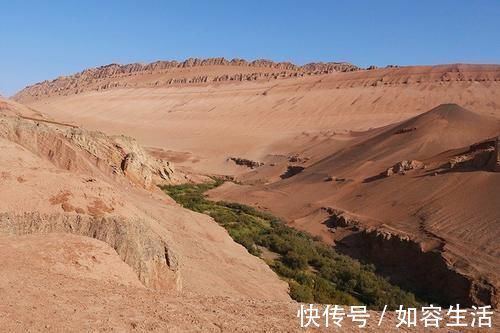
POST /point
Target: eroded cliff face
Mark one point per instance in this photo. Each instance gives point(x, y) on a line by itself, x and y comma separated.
point(165, 73)
point(151, 257)
point(57, 179)
point(426, 266)
point(215, 71)
point(495, 159)
point(78, 150)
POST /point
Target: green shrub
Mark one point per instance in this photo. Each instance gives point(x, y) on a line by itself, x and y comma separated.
point(301, 293)
point(314, 271)
point(294, 260)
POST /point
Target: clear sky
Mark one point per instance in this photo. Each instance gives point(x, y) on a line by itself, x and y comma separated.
point(46, 38)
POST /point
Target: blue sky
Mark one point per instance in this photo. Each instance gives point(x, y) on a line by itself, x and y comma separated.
point(44, 39)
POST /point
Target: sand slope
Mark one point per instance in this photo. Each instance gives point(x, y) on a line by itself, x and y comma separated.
point(453, 211)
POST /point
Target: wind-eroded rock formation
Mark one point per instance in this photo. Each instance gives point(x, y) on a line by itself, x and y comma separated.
point(402, 167)
point(246, 162)
point(76, 149)
point(484, 155)
point(165, 73)
point(388, 248)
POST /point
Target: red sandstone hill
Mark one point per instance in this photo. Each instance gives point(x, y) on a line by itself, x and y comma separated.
point(190, 71)
point(387, 163)
point(256, 117)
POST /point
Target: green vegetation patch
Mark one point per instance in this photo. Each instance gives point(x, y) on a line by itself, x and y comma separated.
point(313, 270)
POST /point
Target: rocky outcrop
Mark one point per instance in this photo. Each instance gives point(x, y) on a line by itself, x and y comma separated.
point(136, 170)
point(339, 218)
point(481, 156)
point(116, 69)
point(297, 159)
point(246, 162)
point(494, 163)
point(410, 263)
point(150, 256)
point(291, 171)
point(57, 179)
point(428, 272)
point(402, 167)
point(113, 75)
point(219, 70)
point(72, 149)
point(405, 130)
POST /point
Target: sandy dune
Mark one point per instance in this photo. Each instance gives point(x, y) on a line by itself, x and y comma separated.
point(449, 210)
